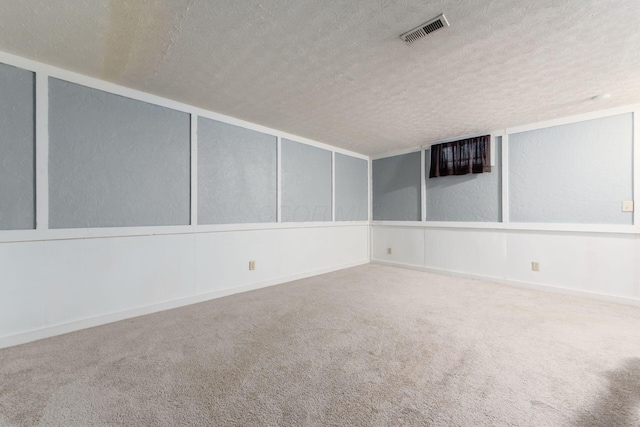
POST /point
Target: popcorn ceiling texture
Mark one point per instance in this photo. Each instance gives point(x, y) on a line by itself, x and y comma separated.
point(337, 72)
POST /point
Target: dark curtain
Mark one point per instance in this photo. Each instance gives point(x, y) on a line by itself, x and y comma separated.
point(470, 155)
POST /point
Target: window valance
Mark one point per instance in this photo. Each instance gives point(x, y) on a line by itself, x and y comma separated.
point(471, 155)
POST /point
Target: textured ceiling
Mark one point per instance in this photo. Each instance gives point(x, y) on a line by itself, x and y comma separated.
point(336, 71)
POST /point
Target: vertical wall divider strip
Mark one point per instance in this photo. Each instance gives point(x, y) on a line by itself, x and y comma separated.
point(635, 168)
point(423, 186)
point(370, 202)
point(504, 184)
point(333, 186)
point(423, 200)
point(194, 170)
point(42, 150)
point(279, 179)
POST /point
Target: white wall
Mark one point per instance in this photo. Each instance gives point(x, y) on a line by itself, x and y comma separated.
point(600, 265)
point(55, 286)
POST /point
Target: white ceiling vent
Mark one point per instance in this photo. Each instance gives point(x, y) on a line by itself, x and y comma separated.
point(427, 28)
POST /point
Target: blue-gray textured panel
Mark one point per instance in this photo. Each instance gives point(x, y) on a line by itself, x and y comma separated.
point(114, 161)
point(237, 174)
point(17, 149)
point(306, 182)
point(472, 197)
point(352, 188)
point(397, 188)
point(574, 173)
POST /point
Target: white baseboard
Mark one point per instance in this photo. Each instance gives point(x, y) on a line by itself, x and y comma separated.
point(51, 331)
point(519, 284)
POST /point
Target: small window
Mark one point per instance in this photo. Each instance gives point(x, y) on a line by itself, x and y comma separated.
point(471, 155)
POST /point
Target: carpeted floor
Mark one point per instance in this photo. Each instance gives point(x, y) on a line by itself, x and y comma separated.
point(368, 346)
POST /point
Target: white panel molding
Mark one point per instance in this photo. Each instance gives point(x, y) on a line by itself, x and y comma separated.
point(279, 179)
point(636, 168)
point(194, 170)
point(504, 181)
point(397, 153)
point(423, 187)
point(51, 331)
point(13, 236)
point(517, 129)
point(440, 141)
point(505, 221)
point(44, 71)
point(495, 135)
point(42, 151)
point(370, 178)
point(248, 125)
point(333, 186)
point(533, 227)
point(574, 119)
point(520, 284)
point(115, 89)
point(370, 201)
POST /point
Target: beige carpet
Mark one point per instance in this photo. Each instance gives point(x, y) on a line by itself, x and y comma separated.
point(369, 346)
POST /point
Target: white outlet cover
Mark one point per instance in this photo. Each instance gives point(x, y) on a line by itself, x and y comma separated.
point(627, 206)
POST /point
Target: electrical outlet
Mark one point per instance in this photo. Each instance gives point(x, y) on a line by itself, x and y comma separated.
point(388, 251)
point(627, 206)
point(252, 265)
point(535, 266)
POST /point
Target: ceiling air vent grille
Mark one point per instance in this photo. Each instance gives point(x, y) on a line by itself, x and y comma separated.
point(427, 28)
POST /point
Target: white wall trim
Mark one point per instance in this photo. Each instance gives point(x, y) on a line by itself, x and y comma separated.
point(440, 141)
point(370, 187)
point(459, 137)
point(423, 187)
point(279, 179)
point(517, 129)
point(575, 119)
point(113, 88)
point(370, 204)
point(42, 150)
point(495, 135)
point(44, 71)
point(533, 227)
point(51, 331)
point(636, 169)
point(333, 186)
point(519, 284)
point(504, 179)
point(14, 236)
point(397, 153)
point(274, 132)
point(194, 170)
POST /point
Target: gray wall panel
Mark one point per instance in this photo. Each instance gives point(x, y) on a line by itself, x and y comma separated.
point(306, 183)
point(574, 173)
point(237, 174)
point(351, 188)
point(114, 161)
point(17, 149)
point(473, 197)
point(397, 188)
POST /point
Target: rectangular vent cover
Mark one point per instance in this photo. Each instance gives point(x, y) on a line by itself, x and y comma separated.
point(424, 29)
